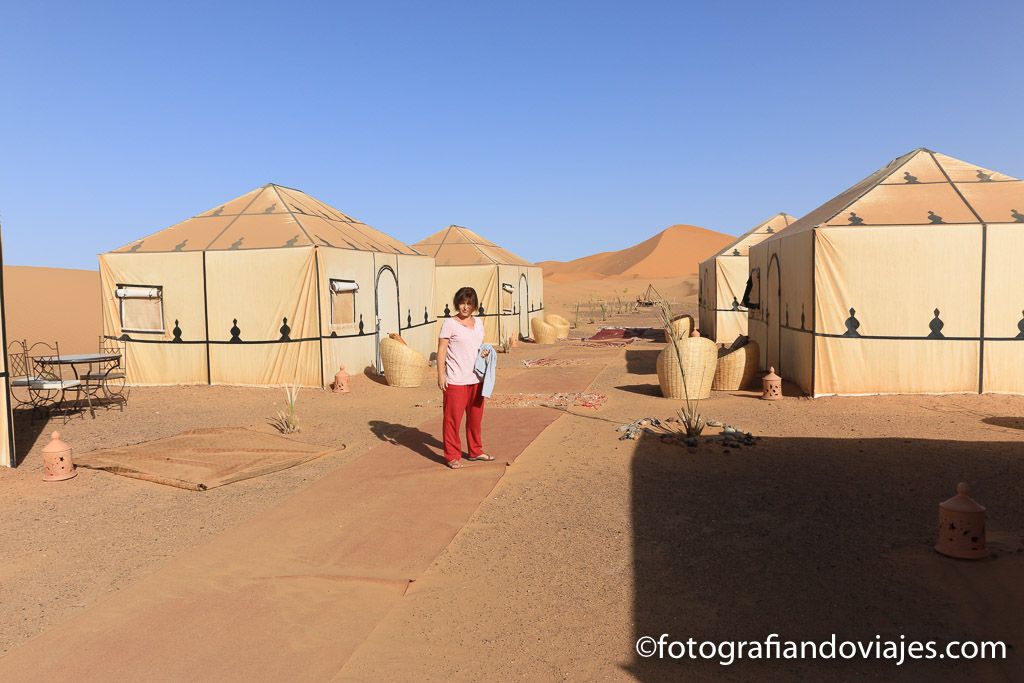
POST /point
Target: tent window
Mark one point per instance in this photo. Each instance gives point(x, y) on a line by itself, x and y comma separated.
point(142, 308)
point(343, 301)
point(506, 297)
point(752, 294)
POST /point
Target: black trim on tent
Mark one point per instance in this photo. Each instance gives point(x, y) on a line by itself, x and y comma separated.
point(376, 304)
point(413, 327)
point(924, 338)
point(125, 338)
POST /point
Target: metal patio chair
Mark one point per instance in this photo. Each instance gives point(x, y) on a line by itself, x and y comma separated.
point(48, 390)
point(106, 380)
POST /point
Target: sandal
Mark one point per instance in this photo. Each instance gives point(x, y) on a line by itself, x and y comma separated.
point(455, 464)
point(483, 457)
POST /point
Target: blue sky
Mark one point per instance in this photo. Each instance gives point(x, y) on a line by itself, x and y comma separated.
point(558, 129)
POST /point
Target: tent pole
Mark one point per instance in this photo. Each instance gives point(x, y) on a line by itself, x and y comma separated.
point(981, 330)
point(12, 457)
point(206, 315)
point(319, 313)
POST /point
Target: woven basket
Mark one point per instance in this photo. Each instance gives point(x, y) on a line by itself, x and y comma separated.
point(404, 366)
point(700, 355)
point(681, 326)
point(560, 324)
point(543, 333)
point(737, 368)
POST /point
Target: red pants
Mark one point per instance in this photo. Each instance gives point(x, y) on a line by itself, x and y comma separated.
point(462, 399)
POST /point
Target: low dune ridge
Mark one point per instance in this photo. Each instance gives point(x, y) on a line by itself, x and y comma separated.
point(563, 297)
point(53, 305)
point(673, 253)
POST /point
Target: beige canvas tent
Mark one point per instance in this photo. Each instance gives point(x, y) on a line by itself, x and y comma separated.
point(270, 288)
point(7, 453)
point(510, 288)
point(723, 278)
point(908, 282)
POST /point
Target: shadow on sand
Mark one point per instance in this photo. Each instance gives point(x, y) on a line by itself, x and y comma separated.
point(371, 373)
point(27, 431)
point(413, 438)
point(642, 389)
point(806, 537)
point(1008, 422)
point(642, 361)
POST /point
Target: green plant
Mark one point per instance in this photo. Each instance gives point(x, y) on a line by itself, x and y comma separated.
point(604, 311)
point(689, 414)
point(286, 421)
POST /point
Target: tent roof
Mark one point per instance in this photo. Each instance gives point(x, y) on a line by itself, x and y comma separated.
point(458, 246)
point(269, 217)
point(922, 187)
point(756, 235)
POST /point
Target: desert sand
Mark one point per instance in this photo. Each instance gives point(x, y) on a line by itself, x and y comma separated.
point(579, 547)
point(674, 252)
point(53, 304)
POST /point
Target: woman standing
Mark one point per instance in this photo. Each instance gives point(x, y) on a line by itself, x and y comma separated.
point(457, 348)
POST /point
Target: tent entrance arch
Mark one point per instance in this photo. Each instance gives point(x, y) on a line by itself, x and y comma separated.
point(773, 313)
point(524, 307)
point(388, 315)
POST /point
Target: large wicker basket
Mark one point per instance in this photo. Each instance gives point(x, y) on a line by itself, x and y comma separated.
point(404, 366)
point(737, 368)
point(699, 357)
point(560, 324)
point(543, 333)
point(681, 326)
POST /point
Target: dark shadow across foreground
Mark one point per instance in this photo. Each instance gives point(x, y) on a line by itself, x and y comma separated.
point(805, 537)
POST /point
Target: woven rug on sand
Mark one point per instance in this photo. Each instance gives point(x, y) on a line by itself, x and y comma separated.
point(620, 333)
point(565, 399)
point(553, 362)
point(203, 459)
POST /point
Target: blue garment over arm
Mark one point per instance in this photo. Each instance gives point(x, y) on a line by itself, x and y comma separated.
point(486, 367)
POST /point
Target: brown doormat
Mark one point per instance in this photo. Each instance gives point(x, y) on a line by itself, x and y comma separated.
point(203, 459)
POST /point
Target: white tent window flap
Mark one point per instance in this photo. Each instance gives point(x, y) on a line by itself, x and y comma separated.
point(142, 308)
point(343, 301)
point(506, 297)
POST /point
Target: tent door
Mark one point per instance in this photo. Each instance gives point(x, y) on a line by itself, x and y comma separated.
point(524, 307)
point(388, 316)
point(773, 314)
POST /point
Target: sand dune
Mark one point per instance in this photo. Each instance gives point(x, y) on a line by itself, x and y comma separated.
point(53, 304)
point(617, 294)
point(673, 252)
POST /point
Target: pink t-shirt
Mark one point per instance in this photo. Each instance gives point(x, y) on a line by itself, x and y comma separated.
point(463, 348)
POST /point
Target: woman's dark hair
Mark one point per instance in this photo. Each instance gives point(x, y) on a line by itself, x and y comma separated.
point(466, 295)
